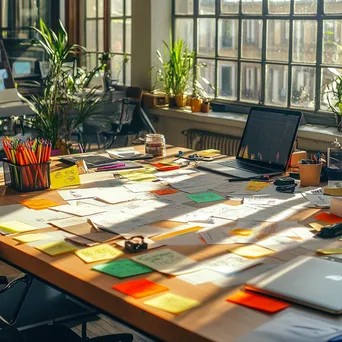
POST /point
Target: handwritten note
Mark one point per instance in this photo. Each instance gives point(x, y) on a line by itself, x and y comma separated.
point(256, 186)
point(12, 227)
point(98, 253)
point(167, 261)
point(123, 268)
point(205, 197)
point(38, 204)
point(57, 248)
point(30, 237)
point(65, 177)
point(172, 303)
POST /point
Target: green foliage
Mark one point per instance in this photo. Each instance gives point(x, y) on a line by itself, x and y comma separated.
point(66, 102)
point(333, 92)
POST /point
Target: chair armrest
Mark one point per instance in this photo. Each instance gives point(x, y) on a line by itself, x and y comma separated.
point(20, 278)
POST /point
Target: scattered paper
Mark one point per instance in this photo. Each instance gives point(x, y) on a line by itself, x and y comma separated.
point(65, 177)
point(148, 186)
point(98, 253)
point(205, 197)
point(201, 277)
point(278, 243)
point(72, 221)
point(256, 186)
point(251, 251)
point(40, 219)
point(13, 227)
point(172, 303)
point(116, 195)
point(320, 201)
point(38, 204)
point(80, 210)
point(56, 248)
point(176, 233)
point(88, 201)
point(77, 194)
point(29, 237)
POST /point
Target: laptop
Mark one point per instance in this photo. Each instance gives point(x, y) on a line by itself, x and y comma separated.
point(305, 280)
point(265, 146)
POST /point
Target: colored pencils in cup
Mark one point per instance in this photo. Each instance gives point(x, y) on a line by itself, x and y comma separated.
point(30, 154)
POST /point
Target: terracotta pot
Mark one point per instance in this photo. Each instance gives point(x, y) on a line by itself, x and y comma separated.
point(196, 105)
point(205, 107)
point(180, 100)
point(309, 174)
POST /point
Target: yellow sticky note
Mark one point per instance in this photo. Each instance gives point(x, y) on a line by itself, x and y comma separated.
point(251, 251)
point(256, 186)
point(98, 253)
point(172, 303)
point(38, 204)
point(241, 231)
point(176, 233)
point(65, 177)
point(12, 227)
point(316, 225)
point(56, 248)
point(30, 237)
point(329, 250)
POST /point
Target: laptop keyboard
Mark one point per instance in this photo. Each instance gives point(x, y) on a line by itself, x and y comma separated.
point(236, 164)
point(96, 160)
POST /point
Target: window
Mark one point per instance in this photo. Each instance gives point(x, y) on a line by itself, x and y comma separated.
point(108, 29)
point(269, 52)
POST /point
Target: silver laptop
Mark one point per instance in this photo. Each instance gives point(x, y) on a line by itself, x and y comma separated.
point(304, 280)
point(265, 146)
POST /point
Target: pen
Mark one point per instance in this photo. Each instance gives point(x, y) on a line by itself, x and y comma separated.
point(109, 167)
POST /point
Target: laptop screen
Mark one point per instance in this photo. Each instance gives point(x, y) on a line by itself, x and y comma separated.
point(6, 80)
point(269, 136)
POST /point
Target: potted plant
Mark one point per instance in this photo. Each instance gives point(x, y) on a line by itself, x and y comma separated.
point(175, 71)
point(205, 107)
point(67, 101)
point(333, 95)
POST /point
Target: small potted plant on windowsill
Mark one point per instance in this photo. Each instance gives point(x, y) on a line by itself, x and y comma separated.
point(205, 107)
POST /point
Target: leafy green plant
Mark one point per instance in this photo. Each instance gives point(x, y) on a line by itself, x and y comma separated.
point(67, 100)
point(333, 92)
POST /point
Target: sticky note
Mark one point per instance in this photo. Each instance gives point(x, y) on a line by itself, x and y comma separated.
point(257, 301)
point(65, 177)
point(98, 253)
point(38, 204)
point(328, 218)
point(329, 251)
point(12, 227)
point(256, 186)
point(176, 233)
point(140, 288)
point(30, 237)
point(165, 192)
point(251, 251)
point(205, 197)
point(241, 231)
point(56, 248)
point(123, 268)
point(172, 303)
point(316, 225)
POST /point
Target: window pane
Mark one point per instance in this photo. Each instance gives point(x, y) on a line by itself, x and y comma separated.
point(276, 85)
point(227, 80)
point(128, 8)
point(278, 7)
point(250, 82)
point(251, 38)
point(116, 8)
point(184, 29)
point(277, 40)
point(303, 87)
point(207, 72)
point(304, 40)
point(128, 71)
point(100, 8)
point(229, 6)
point(327, 77)
point(91, 9)
point(91, 61)
point(333, 6)
point(116, 68)
point(332, 54)
point(206, 6)
point(116, 35)
point(128, 35)
point(184, 6)
point(227, 37)
point(91, 35)
point(252, 7)
point(100, 35)
point(305, 6)
point(206, 37)
point(4, 14)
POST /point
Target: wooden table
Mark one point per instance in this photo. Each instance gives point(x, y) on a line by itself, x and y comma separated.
point(214, 320)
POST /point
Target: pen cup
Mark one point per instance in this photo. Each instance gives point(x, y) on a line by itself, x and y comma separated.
point(310, 174)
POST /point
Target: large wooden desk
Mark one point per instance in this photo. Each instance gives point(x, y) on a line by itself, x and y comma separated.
point(214, 320)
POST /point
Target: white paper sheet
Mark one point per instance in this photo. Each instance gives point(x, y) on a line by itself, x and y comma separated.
point(145, 186)
point(198, 181)
point(116, 195)
point(41, 218)
point(201, 277)
point(320, 201)
point(79, 210)
point(68, 222)
point(278, 243)
point(188, 239)
point(88, 201)
point(52, 237)
point(77, 194)
point(217, 235)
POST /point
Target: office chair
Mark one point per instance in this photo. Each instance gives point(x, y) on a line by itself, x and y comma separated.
point(132, 119)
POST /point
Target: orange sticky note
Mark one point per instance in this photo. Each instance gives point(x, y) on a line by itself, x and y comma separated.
point(257, 301)
point(165, 191)
point(140, 288)
point(38, 204)
point(328, 218)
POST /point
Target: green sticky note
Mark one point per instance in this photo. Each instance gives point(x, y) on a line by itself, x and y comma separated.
point(123, 268)
point(205, 197)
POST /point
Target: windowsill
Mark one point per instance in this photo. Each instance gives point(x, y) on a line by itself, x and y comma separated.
point(317, 133)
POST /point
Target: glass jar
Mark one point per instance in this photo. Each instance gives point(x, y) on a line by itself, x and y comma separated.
point(155, 145)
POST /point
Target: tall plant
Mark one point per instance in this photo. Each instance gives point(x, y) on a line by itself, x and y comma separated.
point(65, 103)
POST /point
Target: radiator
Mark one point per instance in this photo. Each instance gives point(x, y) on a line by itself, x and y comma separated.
point(203, 140)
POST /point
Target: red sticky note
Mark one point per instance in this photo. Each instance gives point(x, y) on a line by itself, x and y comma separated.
point(140, 288)
point(165, 191)
point(328, 218)
point(257, 301)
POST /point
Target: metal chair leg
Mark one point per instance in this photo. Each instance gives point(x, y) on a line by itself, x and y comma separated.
point(84, 331)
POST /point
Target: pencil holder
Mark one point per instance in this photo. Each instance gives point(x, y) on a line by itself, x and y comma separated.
point(310, 174)
point(28, 177)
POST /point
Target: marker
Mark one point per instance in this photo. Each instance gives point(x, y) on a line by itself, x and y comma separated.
point(109, 167)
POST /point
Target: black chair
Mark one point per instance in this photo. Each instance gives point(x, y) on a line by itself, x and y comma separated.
point(132, 119)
